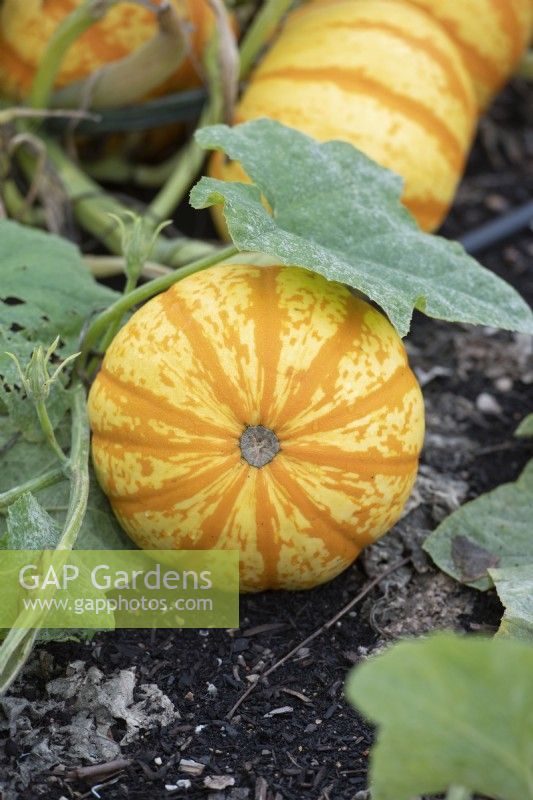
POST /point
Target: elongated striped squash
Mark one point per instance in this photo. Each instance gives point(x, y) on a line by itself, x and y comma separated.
point(27, 25)
point(380, 74)
point(263, 409)
point(491, 36)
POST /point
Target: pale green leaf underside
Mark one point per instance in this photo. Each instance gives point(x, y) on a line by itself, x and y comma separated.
point(515, 589)
point(499, 521)
point(525, 429)
point(30, 527)
point(451, 710)
point(338, 213)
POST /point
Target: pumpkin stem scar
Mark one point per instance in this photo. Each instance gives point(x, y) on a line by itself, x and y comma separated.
point(259, 445)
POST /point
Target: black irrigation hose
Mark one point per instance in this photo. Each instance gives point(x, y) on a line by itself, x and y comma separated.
point(497, 230)
point(179, 107)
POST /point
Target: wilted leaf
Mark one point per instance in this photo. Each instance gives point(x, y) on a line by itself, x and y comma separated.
point(450, 710)
point(515, 589)
point(497, 528)
point(338, 213)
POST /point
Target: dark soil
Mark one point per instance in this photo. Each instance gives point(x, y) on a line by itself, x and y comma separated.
point(294, 737)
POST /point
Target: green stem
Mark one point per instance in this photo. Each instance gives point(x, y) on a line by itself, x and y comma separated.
point(100, 325)
point(18, 644)
point(115, 169)
point(190, 160)
point(260, 31)
point(91, 205)
point(49, 478)
point(17, 206)
point(14, 652)
point(79, 470)
point(131, 283)
point(109, 266)
point(92, 208)
point(186, 168)
point(15, 203)
point(63, 37)
point(180, 252)
point(48, 430)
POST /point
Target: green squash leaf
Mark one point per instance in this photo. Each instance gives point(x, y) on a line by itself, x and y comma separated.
point(515, 589)
point(493, 530)
point(29, 527)
point(21, 460)
point(21, 408)
point(46, 289)
point(525, 429)
point(338, 213)
point(451, 711)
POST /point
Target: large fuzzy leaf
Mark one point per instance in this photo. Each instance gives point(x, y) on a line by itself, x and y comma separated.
point(45, 288)
point(515, 589)
point(338, 213)
point(21, 460)
point(451, 711)
point(495, 530)
point(45, 291)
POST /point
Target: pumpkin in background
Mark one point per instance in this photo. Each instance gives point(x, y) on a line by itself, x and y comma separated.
point(491, 36)
point(263, 409)
point(27, 25)
point(377, 73)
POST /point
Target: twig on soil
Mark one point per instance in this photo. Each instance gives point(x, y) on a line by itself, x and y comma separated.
point(323, 628)
point(501, 446)
point(94, 770)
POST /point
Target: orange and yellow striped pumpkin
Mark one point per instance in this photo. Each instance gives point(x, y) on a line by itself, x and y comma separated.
point(491, 36)
point(263, 409)
point(380, 74)
point(27, 25)
point(402, 80)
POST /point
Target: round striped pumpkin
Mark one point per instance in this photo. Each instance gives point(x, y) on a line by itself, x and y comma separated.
point(491, 36)
point(27, 25)
point(263, 409)
point(381, 75)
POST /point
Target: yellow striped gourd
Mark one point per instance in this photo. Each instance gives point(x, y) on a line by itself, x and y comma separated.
point(402, 80)
point(26, 27)
point(263, 409)
point(491, 36)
